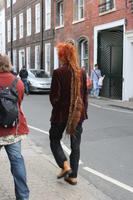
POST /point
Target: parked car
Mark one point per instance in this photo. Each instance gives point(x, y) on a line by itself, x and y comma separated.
point(38, 81)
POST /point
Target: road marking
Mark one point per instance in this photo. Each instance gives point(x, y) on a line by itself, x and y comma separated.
point(68, 151)
point(109, 179)
point(112, 109)
point(63, 145)
point(37, 129)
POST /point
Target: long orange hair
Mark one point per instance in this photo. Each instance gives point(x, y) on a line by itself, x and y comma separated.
point(68, 55)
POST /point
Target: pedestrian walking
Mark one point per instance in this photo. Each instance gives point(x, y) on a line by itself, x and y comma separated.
point(89, 85)
point(69, 99)
point(10, 137)
point(24, 75)
point(95, 75)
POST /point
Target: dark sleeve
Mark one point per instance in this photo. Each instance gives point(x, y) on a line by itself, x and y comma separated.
point(20, 73)
point(85, 92)
point(55, 89)
point(20, 88)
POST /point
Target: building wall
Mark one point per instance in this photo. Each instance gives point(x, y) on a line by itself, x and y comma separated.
point(87, 28)
point(92, 18)
point(35, 38)
point(2, 31)
point(93, 22)
point(128, 67)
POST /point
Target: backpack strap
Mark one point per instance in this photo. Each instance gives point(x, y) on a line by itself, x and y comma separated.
point(96, 74)
point(14, 83)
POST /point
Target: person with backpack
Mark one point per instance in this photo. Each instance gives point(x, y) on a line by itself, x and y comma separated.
point(13, 126)
point(24, 75)
point(69, 99)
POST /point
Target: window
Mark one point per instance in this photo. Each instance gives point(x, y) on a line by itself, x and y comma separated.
point(47, 14)
point(21, 25)
point(59, 13)
point(8, 3)
point(106, 5)
point(56, 60)
point(37, 18)
point(78, 10)
point(131, 1)
point(14, 28)
point(28, 57)
point(9, 30)
point(1, 43)
point(37, 57)
point(9, 55)
point(14, 1)
point(47, 58)
point(28, 21)
point(15, 60)
point(83, 51)
point(21, 58)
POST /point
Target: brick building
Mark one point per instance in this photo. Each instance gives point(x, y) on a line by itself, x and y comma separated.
point(102, 30)
point(29, 33)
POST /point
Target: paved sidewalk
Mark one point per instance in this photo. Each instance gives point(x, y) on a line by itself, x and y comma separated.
point(125, 105)
point(41, 172)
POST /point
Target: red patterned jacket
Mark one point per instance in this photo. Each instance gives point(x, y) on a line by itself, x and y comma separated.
point(6, 78)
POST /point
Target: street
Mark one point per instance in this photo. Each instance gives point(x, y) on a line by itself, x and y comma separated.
point(106, 147)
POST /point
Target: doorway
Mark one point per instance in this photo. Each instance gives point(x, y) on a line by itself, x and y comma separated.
point(110, 61)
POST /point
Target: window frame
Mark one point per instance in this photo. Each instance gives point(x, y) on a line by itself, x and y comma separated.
point(47, 15)
point(83, 57)
point(14, 1)
point(14, 28)
point(15, 60)
point(29, 21)
point(8, 3)
point(21, 26)
point(47, 57)
point(60, 14)
point(21, 56)
point(37, 57)
point(77, 6)
point(106, 6)
point(28, 57)
point(9, 55)
point(8, 30)
point(37, 18)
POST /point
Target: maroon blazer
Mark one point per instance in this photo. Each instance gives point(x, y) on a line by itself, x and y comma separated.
point(60, 94)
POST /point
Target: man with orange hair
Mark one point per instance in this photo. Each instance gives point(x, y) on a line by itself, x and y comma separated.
point(69, 99)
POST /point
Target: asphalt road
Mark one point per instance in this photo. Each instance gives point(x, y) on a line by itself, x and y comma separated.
point(106, 148)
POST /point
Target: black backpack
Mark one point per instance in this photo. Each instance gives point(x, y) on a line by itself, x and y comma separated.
point(9, 111)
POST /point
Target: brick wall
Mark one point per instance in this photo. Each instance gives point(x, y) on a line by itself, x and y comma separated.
point(35, 38)
point(92, 18)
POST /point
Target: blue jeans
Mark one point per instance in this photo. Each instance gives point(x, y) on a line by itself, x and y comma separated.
point(95, 91)
point(26, 86)
point(18, 170)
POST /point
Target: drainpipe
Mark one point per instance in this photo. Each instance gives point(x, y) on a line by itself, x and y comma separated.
point(11, 32)
point(41, 45)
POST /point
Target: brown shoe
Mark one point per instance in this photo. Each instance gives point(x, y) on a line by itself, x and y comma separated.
point(70, 180)
point(66, 170)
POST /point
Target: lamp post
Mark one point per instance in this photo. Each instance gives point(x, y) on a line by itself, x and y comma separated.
point(11, 31)
point(41, 45)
